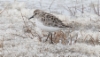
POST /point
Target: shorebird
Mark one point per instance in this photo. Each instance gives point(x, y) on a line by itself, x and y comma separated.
point(48, 22)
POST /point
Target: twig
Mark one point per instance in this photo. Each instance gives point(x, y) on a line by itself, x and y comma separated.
point(71, 11)
point(94, 9)
point(3, 10)
point(98, 8)
point(86, 37)
point(82, 6)
point(1, 43)
point(91, 38)
point(40, 4)
point(76, 38)
point(51, 4)
point(71, 39)
point(75, 8)
point(26, 24)
point(68, 9)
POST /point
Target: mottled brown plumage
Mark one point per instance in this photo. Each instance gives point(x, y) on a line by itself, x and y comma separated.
point(49, 19)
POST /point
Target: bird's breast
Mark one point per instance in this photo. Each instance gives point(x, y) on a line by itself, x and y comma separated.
point(40, 25)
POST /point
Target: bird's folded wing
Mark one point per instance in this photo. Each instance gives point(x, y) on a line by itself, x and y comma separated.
point(51, 20)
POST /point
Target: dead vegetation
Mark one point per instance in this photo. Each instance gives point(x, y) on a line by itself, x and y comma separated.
point(1, 44)
point(28, 30)
point(60, 36)
point(2, 39)
point(96, 8)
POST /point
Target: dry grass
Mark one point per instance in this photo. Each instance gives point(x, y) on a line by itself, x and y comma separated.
point(60, 36)
point(1, 44)
point(2, 40)
point(96, 8)
point(91, 38)
point(21, 45)
point(28, 30)
point(3, 10)
point(51, 4)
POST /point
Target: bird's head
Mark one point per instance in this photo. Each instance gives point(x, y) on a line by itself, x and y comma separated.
point(36, 13)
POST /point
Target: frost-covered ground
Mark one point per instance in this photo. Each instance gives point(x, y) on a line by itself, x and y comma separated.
point(19, 37)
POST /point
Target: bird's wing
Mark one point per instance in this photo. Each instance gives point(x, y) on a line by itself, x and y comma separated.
point(51, 20)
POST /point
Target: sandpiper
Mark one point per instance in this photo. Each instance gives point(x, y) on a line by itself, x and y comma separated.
point(48, 22)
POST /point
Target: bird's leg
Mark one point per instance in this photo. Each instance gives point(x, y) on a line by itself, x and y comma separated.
point(51, 38)
point(47, 37)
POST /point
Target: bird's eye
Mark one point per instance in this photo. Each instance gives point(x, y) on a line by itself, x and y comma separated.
point(36, 13)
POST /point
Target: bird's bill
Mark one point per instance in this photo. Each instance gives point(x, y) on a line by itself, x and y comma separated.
point(31, 17)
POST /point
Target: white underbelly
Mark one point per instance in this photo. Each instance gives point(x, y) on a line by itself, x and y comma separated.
point(40, 25)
